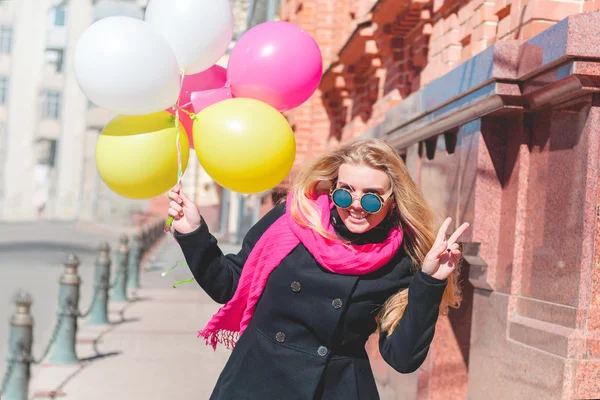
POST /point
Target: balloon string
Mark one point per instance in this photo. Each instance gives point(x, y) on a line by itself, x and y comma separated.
point(192, 115)
point(179, 168)
point(183, 281)
point(171, 269)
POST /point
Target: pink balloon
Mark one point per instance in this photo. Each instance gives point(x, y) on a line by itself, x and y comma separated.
point(210, 79)
point(213, 78)
point(205, 98)
point(275, 62)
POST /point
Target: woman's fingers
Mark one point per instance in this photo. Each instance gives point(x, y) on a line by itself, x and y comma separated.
point(186, 201)
point(175, 197)
point(175, 206)
point(457, 233)
point(173, 213)
point(180, 197)
point(441, 236)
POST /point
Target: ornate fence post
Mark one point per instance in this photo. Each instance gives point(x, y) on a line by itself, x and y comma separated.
point(120, 289)
point(133, 274)
point(64, 351)
point(15, 385)
point(99, 311)
point(145, 239)
point(158, 228)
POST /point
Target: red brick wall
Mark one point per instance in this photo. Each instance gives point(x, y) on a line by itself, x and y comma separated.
point(410, 44)
point(376, 54)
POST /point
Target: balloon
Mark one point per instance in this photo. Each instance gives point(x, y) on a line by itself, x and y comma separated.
point(202, 82)
point(199, 31)
point(136, 156)
point(123, 65)
point(275, 62)
point(213, 78)
point(205, 98)
point(244, 144)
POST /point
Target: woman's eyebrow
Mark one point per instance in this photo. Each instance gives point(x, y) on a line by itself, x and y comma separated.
point(371, 189)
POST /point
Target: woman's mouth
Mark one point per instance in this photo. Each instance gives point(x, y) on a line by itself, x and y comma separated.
point(357, 219)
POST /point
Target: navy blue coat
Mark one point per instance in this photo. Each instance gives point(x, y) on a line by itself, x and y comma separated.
point(308, 333)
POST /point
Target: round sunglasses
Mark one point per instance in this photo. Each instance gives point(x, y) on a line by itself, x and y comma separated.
point(370, 202)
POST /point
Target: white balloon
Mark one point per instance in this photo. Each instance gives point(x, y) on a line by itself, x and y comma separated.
point(199, 31)
point(124, 65)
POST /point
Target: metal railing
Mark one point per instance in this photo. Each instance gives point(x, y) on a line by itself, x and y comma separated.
point(61, 349)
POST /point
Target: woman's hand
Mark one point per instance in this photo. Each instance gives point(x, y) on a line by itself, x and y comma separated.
point(444, 255)
point(184, 211)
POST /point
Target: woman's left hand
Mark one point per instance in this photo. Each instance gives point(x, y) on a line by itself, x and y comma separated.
point(444, 255)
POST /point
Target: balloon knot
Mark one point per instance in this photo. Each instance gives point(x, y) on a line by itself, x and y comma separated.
point(227, 84)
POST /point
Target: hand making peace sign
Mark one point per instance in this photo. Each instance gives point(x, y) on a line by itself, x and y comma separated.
point(444, 254)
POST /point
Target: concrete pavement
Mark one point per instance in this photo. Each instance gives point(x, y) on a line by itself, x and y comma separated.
point(31, 259)
point(150, 351)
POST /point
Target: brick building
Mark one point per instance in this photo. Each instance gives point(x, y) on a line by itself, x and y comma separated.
point(494, 106)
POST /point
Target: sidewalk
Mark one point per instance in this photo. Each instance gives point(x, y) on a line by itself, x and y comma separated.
point(150, 351)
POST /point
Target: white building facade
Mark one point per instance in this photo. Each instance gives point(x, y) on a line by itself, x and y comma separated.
point(48, 128)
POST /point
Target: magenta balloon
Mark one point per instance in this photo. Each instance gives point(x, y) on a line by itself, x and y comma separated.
point(205, 98)
point(277, 63)
point(213, 78)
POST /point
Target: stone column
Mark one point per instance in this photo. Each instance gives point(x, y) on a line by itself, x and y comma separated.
point(29, 34)
point(71, 146)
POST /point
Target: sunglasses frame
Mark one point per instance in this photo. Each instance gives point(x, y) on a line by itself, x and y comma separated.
point(382, 201)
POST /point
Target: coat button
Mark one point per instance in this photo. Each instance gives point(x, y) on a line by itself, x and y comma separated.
point(280, 337)
point(337, 303)
point(296, 286)
point(322, 351)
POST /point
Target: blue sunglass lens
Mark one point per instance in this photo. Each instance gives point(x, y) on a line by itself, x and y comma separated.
point(370, 203)
point(342, 198)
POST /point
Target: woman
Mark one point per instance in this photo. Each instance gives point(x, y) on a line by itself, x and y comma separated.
point(350, 252)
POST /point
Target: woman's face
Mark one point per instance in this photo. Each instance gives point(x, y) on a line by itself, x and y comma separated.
point(358, 180)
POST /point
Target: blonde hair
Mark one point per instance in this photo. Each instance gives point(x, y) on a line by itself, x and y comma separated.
point(415, 217)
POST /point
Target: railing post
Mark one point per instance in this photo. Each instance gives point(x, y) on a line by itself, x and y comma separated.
point(64, 351)
point(20, 339)
point(120, 289)
point(152, 232)
point(99, 311)
point(133, 274)
point(145, 239)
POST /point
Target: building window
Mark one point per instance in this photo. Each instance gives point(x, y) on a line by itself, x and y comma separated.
point(45, 152)
point(50, 104)
point(3, 90)
point(55, 57)
point(5, 39)
point(60, 16)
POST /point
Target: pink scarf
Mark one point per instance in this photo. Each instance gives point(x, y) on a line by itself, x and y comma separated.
point(273, 246)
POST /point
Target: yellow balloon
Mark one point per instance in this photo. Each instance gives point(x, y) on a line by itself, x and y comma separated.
point(136, 156)
point(244, 144)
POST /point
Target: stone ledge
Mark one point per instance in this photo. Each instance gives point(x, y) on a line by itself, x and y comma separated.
point(505, 78)
point(553, 339)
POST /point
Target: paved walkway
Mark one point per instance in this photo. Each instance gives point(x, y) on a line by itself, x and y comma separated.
point(150, 351)
point(32, 255)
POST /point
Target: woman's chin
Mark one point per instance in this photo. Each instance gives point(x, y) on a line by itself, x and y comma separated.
point(357, 226)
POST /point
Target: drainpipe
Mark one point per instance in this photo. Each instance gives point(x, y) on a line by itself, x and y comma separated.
point(256, 211)
point(250, 16)
point(241, 205)
point(271, 9)
point(224, 217)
